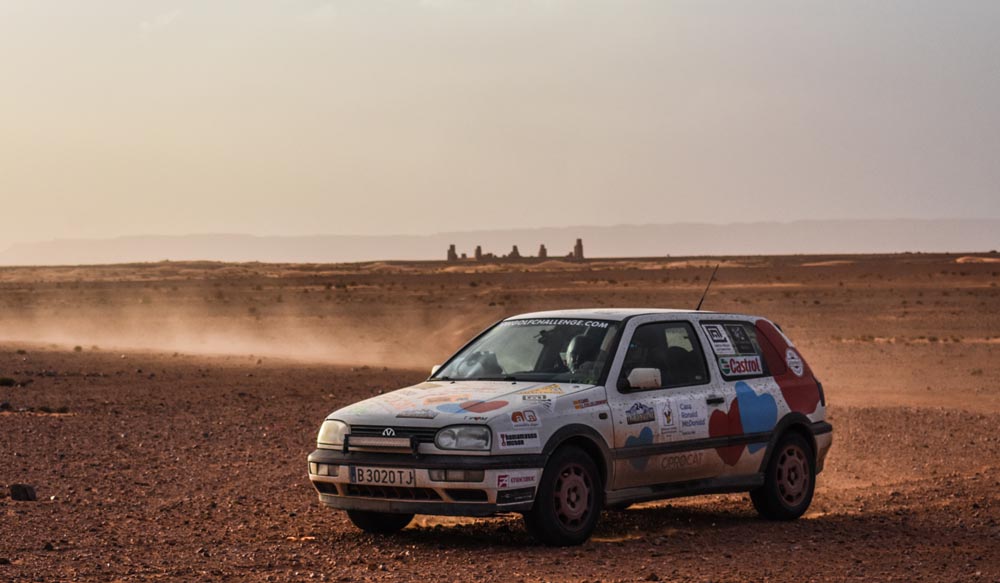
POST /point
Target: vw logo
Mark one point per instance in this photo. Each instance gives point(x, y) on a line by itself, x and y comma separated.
point(388, 432)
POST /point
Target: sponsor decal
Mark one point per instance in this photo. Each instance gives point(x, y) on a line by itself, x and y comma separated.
point(541, 400)
point(741, 340)
point(525, 418)
point(512, 440)
point(666, 417)
point(682, 461)
point(719, 339)
point(639, 413)
point(516, 480)
point(794, 362)
point(398, 402)
point(476, 418)
point(417, 414)
point(472, 406)
point(738, 366)
point(552, 389)
point(555, 322)
point(426, 386)
point(439, 399)
point(587, 403)
point(536, 398)
point(693, 417)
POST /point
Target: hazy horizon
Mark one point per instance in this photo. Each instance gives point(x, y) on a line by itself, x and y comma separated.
point(407, 117)
point(809, 237)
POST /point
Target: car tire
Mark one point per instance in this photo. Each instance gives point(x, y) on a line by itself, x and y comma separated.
point(789, 480)
point(568, 504)
point(379, 522)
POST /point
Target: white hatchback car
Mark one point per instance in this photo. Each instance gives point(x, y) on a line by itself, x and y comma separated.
point(557, 415)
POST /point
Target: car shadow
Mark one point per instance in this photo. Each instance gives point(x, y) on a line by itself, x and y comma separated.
point(691, 527)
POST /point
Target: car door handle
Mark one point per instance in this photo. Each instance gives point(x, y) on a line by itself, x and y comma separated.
point(715, 400)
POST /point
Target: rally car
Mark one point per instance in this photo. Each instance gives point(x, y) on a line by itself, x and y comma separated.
point(557, 415)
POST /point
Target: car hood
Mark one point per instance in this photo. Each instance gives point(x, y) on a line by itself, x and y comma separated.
point(441, 403)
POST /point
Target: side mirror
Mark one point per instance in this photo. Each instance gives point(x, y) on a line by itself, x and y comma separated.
point(644, 378)
point(435, 368)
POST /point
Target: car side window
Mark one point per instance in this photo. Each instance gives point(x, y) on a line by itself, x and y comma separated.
point(737, 349)
point(672, 348)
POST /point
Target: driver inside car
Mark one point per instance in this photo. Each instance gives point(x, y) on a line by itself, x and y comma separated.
point(581, 354)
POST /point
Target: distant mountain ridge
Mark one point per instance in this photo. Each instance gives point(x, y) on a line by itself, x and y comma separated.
point(763, 238)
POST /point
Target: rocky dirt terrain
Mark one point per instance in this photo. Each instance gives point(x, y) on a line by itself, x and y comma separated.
point(163, 413)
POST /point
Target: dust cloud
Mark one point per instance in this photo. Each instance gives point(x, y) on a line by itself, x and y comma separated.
point(323, 323)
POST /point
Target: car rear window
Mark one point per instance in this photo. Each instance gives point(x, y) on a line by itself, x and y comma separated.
point(737, 349)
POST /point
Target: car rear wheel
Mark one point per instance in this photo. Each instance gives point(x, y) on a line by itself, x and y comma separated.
point(568, 503)
point(379, 522)
point(789, 480)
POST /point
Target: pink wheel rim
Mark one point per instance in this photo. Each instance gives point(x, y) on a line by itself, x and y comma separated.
point(793, 476)
point(574, 495)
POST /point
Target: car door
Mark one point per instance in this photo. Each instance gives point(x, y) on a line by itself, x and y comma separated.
point(752, 405)
point(657, 431)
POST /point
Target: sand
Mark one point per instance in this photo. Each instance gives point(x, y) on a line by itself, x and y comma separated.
point(171, 444)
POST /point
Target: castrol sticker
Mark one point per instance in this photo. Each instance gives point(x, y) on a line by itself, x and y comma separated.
point(740, 366)
point(794, 362)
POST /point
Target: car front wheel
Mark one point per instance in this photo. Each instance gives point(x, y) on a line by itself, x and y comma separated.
point(568, 503)
point(789, 480)
point(379, 522)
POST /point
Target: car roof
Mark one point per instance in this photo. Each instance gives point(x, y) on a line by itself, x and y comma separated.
point(616, 314)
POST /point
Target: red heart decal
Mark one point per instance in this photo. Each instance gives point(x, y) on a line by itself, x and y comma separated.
point(800, 392)
point(483, 406)
point(721, 424)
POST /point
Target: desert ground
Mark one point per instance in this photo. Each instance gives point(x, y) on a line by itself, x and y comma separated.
point(164, 411)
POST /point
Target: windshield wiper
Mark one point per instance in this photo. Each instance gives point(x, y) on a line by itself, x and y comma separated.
point(506, 378)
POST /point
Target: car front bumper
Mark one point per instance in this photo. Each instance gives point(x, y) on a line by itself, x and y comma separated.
point(508, 483)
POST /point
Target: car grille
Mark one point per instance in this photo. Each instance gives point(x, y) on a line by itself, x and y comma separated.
point(467, 495)
point(391, 492)
point(326, 488)
point(423, 434)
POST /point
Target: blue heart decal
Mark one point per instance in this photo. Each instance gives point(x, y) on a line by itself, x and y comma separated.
point(645, 437)
point(757, 412)
point(450, 408)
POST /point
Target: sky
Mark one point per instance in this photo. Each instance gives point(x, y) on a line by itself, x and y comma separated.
point(302, 117)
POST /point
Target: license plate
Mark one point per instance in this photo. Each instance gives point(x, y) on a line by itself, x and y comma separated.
point(382, 476)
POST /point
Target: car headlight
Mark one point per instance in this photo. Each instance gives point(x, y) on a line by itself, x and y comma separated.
point(472, 437)
point(332, 433)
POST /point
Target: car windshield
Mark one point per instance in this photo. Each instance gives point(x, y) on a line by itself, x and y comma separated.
point(546, 350)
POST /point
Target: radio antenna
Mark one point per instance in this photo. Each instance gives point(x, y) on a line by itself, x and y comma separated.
point(710, 279)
